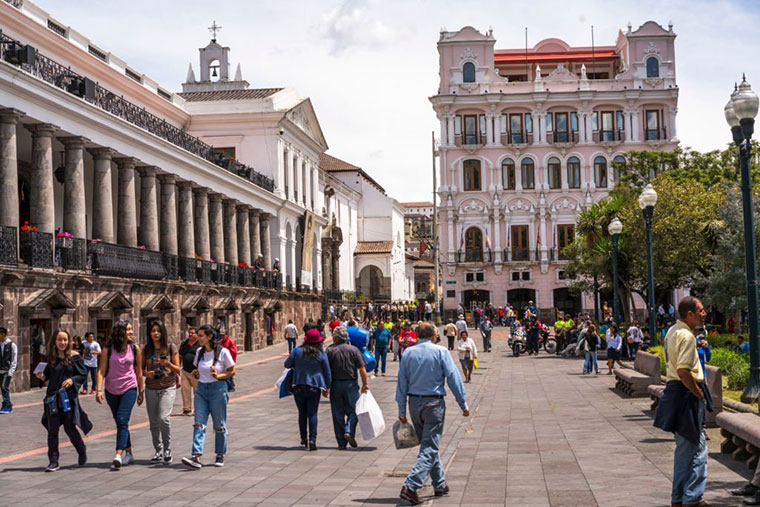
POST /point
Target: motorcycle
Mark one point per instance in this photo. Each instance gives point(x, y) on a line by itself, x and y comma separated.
point(517, 341)
point(546, 341)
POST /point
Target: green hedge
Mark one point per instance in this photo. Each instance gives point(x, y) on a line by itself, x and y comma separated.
point(720, 340)
point(735, 367)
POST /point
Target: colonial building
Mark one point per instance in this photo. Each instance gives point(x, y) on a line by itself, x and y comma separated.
point(121, 199)
point(529, 138)
point(418, 227)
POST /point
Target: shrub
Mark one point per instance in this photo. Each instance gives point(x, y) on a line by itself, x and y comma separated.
point(735, 367)
point(720, 340)
point(659, 351)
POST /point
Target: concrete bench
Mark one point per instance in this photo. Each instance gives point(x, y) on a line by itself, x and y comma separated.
point(741, 433)
point(645, 372)
point(714, 385)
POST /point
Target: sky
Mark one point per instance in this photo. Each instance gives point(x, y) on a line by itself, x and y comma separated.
point(370, 66)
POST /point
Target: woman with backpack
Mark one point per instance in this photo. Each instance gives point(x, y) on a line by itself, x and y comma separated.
point(213, 365)
point(65, 372)
point(161, 369)
point(120, 372)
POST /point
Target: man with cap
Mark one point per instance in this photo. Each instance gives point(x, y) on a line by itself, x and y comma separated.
point(276, 265)
point(461, 324)
point(346, 364)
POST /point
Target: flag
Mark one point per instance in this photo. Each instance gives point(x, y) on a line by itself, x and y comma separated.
point(423, 247)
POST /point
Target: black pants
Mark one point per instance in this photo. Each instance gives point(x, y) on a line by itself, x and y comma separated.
point(307, 401)
point(533, 344)
point(54, 422)
point(451, 342)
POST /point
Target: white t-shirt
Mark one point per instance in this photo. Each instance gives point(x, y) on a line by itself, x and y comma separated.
point(203, 364)
point(90, 359)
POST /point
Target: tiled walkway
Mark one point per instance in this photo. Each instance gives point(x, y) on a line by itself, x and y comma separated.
point(539, 434)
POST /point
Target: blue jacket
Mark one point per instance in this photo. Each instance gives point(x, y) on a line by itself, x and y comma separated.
point(381, 337)
point(678, 411)
point(308, 371)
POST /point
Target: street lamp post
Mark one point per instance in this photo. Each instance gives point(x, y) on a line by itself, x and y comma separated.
point(647, 200)
point(740, 114)
point(615, 228)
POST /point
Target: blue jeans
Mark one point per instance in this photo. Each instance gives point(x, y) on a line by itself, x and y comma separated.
point(291, 344)
point(590, 362)
point(690, 466)
point(343, 397)
point(211, 399)
point(5, 387)
point(380, 358)
point(121, 406)
point(307, 401)
point(92, 371)
point(427, 417)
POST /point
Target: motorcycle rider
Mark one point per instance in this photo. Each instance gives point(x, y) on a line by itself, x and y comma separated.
point(533, 328)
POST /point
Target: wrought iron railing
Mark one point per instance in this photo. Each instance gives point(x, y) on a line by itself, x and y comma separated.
point(288, 285)
point(517, 137)
point(8, 245)
point(126, 262)
point(187, 269)
point(562, 137)
point(71, 253)
point(217, 273)
point(37, 249)
point(171, 265)
point(203, 271)
point(63, 77)
point(485, 256)
point(520, 255)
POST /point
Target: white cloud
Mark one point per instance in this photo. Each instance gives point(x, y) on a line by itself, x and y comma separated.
point(351, 24)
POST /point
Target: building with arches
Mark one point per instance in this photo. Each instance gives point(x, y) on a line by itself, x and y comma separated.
point(529, 138)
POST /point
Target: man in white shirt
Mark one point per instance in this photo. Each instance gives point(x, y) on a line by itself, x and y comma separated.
point(91, 353)
point(291, 333)
point(461, 324)
point(8, 364)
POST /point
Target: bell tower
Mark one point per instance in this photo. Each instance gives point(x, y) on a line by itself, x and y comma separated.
point(214, 69)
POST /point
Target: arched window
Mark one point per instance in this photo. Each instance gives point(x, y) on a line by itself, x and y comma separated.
point(618, 167)
point(527, 173)
point(554, 170)
point(471, 174)
point(653, 67)
point(473, 244)
point(468, 71)
point(574, 172)
point(508, 174)
point(600, 172)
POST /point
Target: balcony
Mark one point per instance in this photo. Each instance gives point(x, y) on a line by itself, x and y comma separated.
point(655, 134)
point(71, 253)
point(288, 285)
point(126, 262)
point(562, 137)
point(555, 254)
point(9, 240)
point(37, 249)
point(516, 138)
point(520, 255)
point(470, 140)
point(203, 271)
point(483, 257)
point(245, 276)
point(187, 269)
point(171, 265)
point(608, 136)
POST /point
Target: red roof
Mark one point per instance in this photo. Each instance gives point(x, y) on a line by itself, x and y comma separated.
point(569, 56)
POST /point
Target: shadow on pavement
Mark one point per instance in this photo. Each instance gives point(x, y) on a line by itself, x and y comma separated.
point(301, 448)
point(383, 501)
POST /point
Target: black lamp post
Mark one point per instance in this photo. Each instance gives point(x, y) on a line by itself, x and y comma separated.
point(647, 200)
point(615, 228)
point(740, 114)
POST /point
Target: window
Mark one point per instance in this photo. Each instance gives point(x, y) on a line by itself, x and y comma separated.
point(470, 129)
point(515, 276)
point(565, 236)
point(561, 274)
point(480, 276)
point(469, 277)
point(471, 174)
point(295, 178)
point(515, 128)
point(608, 127)
point(618, 167)
point(554, 169)
point(574, 122)
point(653, 67)
point(508, 174)
point(285, 172)
point(100, 55)
point(527, 173)
point(525, 275)
point(653, 125)
point(451, 294)
point(560, 128)
point(573, 172)
point(528, 123)
point(619, 124)
point(468, 72)
point(134, 75)
point(594, 121)
point(600, 172)
point(458, 125)
point(520, 248)
point(473, 244)
point(483, 128)
point(549, 123)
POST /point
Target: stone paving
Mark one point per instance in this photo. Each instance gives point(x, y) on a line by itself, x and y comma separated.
point(540, 433)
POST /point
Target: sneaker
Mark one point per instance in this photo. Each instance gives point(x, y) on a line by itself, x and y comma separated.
point(116, 463)
point(351, 440)
point(193, 462)
point(6, 410)
point(92, 391)
point(127, 459)
point(52, 467)
point(157, 458)
point(383, 374)
point(168, 457)
point(83, 391)
point(219, 461)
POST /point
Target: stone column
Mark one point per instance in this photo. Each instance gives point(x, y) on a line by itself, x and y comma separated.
point(127, 226)
point(673, 137)
point(326, 264)
point(489, 129)
point(582, 115)
point(266, 241)
point(9, 168)
point(102, 195)
point(497, 234)
point(627, 125)
point(216, 224)
point(635, 129)
point(293, 265)
point(185, 225)
point(336, 266)
point(200, 219)
point(168, 213)
point(244, 235)
point(74, 210)
point(149, 209)
point(451, 118)
point(255, 229)
point(230, 232)
point(42, 194)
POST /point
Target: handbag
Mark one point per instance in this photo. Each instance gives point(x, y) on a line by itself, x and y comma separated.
point(475, 363)
point(404, 436)
point(51, 404)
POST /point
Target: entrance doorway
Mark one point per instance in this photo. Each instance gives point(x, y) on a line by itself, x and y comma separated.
point(39, 333)
point(103, 330)
point(473, 297)
point(519, 299)
point(248, 341)
point(566, 302)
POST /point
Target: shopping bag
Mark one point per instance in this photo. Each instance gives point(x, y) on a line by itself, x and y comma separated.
point(475, 363)
point(371, 422)
point(404, 435)
point(369, 360)
point(285, 380)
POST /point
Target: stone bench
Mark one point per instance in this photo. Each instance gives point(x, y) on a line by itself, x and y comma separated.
point(634, 382)
point(741, 433)
point(714, 385)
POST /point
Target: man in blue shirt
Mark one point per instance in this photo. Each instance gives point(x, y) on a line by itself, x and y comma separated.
point(743, 346)
point(424, 369)
point(381, 337)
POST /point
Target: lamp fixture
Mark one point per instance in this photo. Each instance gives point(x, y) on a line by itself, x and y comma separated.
point(615, 227)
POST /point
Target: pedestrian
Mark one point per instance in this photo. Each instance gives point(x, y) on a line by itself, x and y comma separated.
point(534, 328)
point(311, 376)
point(614, 346)
point(485, 330)
point(634, 336)
point(591, 344)
point(77, 345)
point(291, 334)
point(428, 311)
point(681, 409)
point(64, 372)
point(346, 365)
point(407, 338)
point(213, 365)
point(381, 337)
point(468, 352)
point(421, 377)
point(120, 372)
point(8, 364)
point(161, 369)
point(229, 344)
point(92, 351)
point(394, 328)
point(188, 383)
point(451, 333)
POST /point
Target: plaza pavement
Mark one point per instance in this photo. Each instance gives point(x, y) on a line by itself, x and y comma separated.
point(540, 433)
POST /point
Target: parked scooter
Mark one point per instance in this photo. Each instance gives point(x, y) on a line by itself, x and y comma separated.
point(517, 341)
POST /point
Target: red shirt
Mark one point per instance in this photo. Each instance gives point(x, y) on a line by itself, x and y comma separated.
point(228, 344)
point(333, 324)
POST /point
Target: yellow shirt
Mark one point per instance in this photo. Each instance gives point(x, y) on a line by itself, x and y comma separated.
point(682, 352)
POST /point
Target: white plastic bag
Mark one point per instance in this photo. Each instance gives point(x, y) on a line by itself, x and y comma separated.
point(371, 422)
point(278, 384)
point(404, 435)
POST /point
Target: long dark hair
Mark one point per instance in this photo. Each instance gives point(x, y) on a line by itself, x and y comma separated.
point(213, 333)
point(118, 338)
point(149, 349)
point(312, 350)
point(52, 349)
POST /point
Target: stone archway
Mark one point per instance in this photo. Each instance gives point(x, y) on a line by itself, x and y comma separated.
point(370, 282)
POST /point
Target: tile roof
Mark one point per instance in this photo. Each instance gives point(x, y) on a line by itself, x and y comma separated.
point(373, 247)
point(421, 204)
point(247, 94)
point(330, 163)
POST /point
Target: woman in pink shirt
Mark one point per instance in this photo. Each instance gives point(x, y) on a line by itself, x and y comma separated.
point(120, 368)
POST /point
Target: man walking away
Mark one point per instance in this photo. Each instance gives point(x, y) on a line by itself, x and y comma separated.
point(451, 333)
point(8, 364)
point(345, 363)
point(485, 330)
point(682, 407)
point(381, 338)
point(421, 376)
point(291, 333)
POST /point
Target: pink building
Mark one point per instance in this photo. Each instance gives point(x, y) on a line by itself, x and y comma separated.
point(528, 139)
